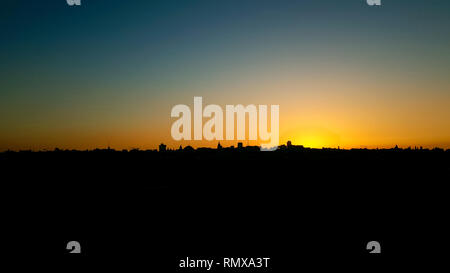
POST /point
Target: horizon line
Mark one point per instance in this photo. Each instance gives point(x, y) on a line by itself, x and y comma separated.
point(279, 147)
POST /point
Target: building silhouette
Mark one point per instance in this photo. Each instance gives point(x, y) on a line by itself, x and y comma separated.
point(162, 147)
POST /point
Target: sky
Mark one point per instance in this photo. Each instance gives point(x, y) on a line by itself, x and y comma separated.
point(108, 72)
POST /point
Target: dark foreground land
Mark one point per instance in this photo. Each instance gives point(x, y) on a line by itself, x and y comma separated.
point(297, 206)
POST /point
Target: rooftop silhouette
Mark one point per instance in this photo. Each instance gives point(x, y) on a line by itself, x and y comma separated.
point(162, 148)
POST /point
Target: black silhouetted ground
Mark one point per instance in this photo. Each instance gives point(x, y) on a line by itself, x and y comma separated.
point(290, 204)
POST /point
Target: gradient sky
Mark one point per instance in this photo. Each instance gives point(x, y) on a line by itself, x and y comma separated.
point(108, 72)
